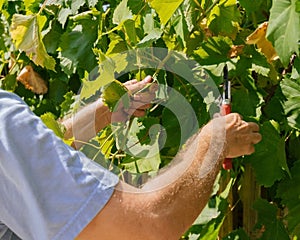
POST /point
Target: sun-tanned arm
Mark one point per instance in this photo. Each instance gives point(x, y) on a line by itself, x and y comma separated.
point(165, 209)
point(167, 205)
point(84, 125)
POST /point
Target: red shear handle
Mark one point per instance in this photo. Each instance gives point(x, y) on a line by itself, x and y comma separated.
point(226, 109)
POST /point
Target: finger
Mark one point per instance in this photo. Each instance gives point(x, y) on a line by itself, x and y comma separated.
point(146, 97)
point(131, 110)
point(139, 85)
point(139, 113)
point(130, 82)
point(256, 138)
point(254, 127)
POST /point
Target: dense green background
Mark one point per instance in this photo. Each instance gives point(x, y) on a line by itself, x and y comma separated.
point(64, 40)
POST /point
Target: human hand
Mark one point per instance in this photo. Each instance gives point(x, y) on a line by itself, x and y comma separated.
point(231, 136)
point(140, 99)
point(240, 136)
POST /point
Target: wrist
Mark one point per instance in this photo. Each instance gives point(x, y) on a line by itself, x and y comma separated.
point(102, 115)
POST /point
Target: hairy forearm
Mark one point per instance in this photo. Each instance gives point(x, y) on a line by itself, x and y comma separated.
point(166, 206)
point(178, 204)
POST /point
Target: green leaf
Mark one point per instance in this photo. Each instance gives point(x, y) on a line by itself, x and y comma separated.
point(284, 29)
point(76, 4)
point(76, 47)
point(296, 69)
point(130, 31)
point(116, 46)
point(298, 6)
point(165, 8)
point(251, 6)
point(142, 156)
point(63, 15)
point(135, 5)
point(289, 192)
point(122, 13)
point(291, 91)
point(9, 82)
point(214, 51)
point(224, 18)
point(92, 3)
point(52, 37)
point(152, 36)
point(66, 104)
point(269, 159)
point(31, 6)
point(106, 142)
point(247, 100)
point(113, 93)
point(267, 218)
point(104, 75)
point(181, 28)
point(1, 4)
point(50, 121)
point(26, 34)
point(190, 13)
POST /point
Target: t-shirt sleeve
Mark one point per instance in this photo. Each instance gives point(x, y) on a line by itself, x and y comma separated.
point(48, 190)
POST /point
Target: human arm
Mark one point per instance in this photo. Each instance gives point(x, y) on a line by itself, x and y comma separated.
point(85, 123)
point(157, 212)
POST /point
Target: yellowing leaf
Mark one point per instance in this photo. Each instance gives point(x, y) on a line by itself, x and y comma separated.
point(32, 80)
point(26, 35)
point(165, 8)
point(114, 93)
point(104, 74)
point(258, 37)
point(235, 51)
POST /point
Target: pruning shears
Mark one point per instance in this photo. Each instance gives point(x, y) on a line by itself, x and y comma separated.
point(226, 108)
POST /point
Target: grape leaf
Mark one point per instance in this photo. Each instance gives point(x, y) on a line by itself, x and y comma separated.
point(106, 142)
point(273, 228)
point(181, 28)
point(246, 102)
point(76, 47)
point(99, 77)
point(251, 6)
point(1, 4)
point(140, 157)
point(165, 8)
point(76, 4)
point(152, 36)
point(224, 18)
point(92, 3)
point(63, 15)
point(213, 51)
point(129, 26)
point(269, 159)
point(135, 5)
point(122, 13)
point(190, 13)
point(113, 93)
point(289, 192)
point(31, 6)
point(52, 37)
point(26, 34)
point(291, 91)
point(50, 121)
point(284, 29)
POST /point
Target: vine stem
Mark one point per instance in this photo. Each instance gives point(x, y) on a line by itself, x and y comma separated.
point(42, 7)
